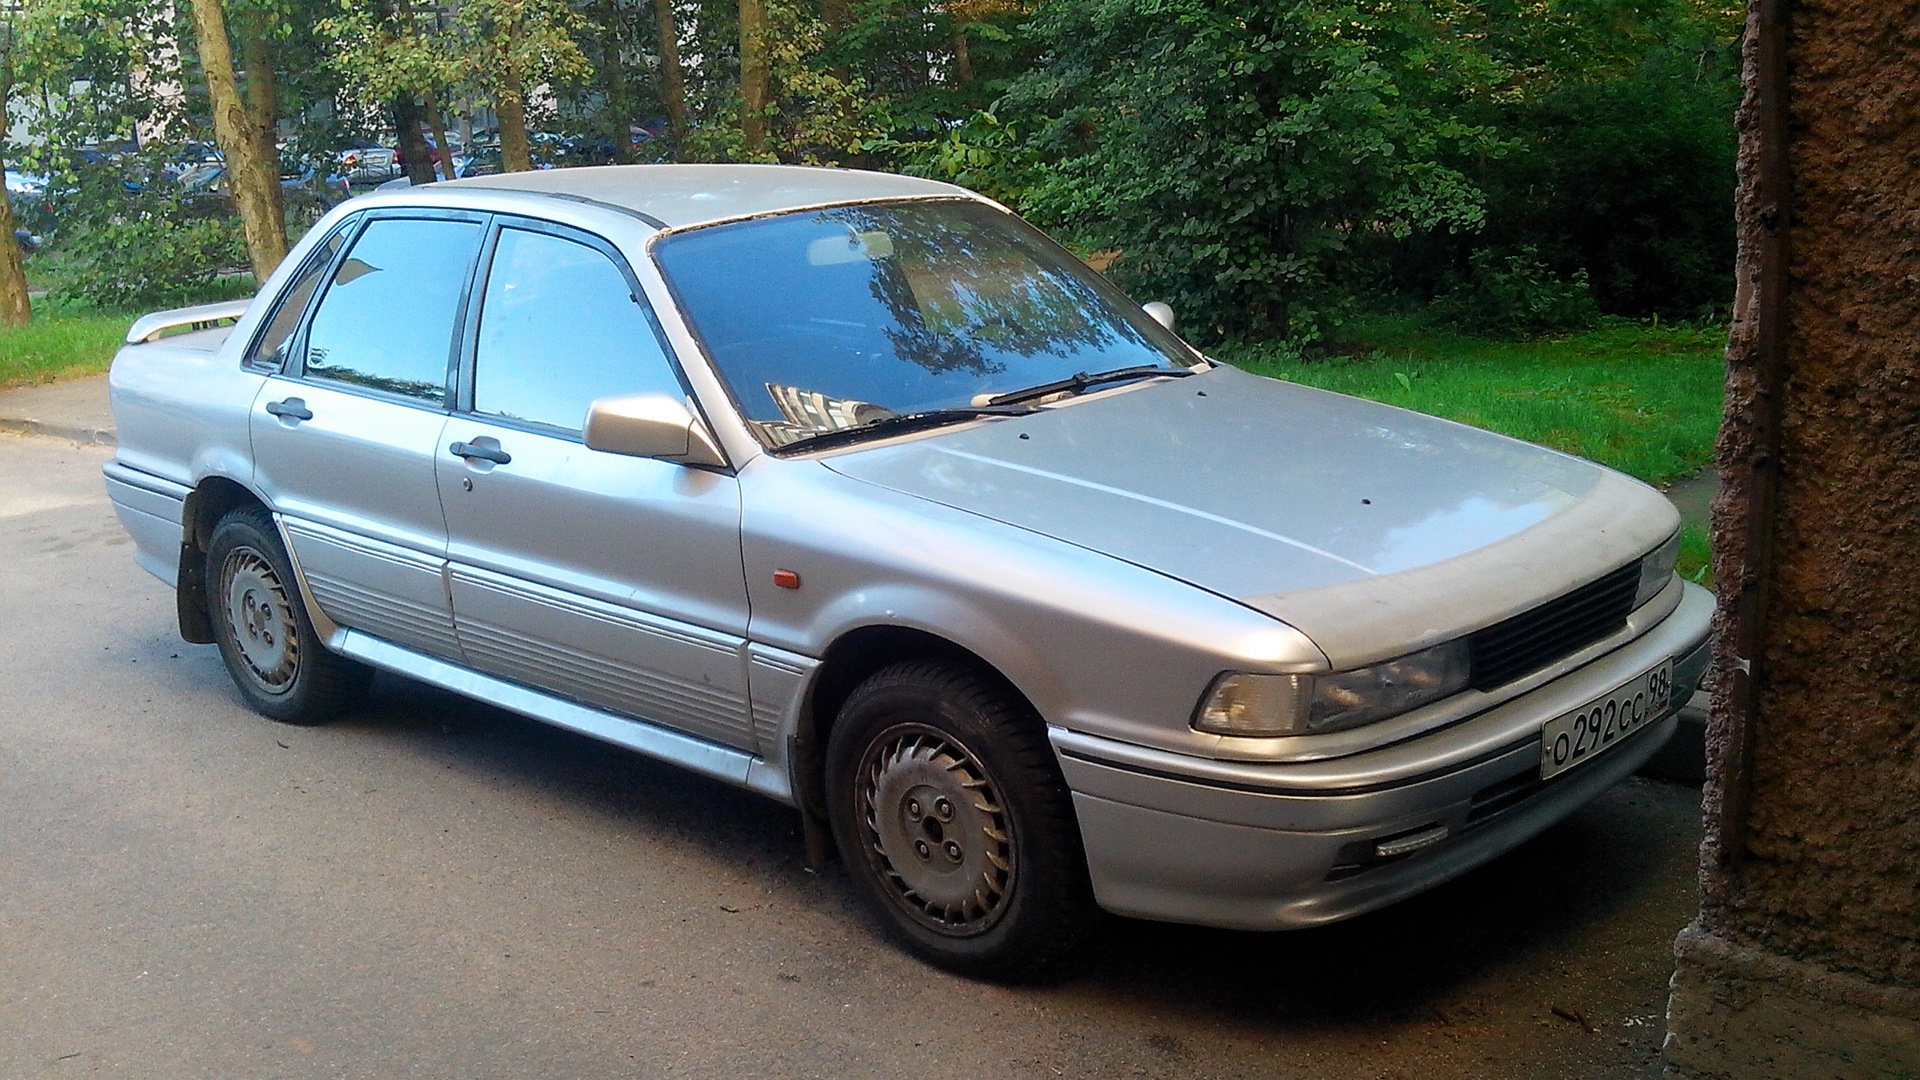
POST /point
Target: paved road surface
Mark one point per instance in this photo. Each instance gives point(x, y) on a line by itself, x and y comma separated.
point(438, 889)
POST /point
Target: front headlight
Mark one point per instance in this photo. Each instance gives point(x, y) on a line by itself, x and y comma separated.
point(1239, 703)
point(1656, 569)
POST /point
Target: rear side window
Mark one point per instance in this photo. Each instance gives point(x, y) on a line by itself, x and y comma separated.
point(270, 351)
point(386, 321)
point(560, 326)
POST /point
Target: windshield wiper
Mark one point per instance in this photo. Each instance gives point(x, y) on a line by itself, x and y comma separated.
point(1082, 382)
point(900, 424)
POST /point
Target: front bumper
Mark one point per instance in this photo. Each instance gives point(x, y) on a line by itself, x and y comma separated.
point(1276, 846)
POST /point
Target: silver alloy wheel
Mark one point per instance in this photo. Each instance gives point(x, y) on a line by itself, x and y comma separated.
point(936, 830)
point(260, 620)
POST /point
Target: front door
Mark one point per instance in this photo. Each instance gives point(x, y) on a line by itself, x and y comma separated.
point(615, 581)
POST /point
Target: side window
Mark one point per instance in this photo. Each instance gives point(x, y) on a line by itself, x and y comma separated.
point(387, 319)
point(270, 351)
point(560, 327)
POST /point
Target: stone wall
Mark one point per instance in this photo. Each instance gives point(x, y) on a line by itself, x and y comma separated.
point(1811, 867)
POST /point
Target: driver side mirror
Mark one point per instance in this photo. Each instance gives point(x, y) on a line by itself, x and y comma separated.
point(650, 426)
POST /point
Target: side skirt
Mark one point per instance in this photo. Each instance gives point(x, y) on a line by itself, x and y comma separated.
point(708, 759)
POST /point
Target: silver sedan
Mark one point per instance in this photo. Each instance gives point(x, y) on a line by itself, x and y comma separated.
point(859, 492)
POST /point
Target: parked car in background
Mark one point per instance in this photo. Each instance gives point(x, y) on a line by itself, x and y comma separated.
point(33, 216)
point(207, 190)
point(190, 156)
point(368, 164)
point(859, 492)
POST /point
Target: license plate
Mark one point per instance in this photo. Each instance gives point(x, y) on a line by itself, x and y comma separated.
point(1604, 723)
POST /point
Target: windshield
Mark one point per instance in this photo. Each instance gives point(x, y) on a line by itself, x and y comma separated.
point(824, 320)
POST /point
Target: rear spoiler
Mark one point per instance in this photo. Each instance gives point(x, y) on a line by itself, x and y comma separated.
point(149, 327)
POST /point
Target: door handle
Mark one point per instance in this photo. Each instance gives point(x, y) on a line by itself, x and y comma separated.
point(484, 453)
point(292, 408)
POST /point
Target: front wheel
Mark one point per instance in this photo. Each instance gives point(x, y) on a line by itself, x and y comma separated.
point(952, 817)
point(261, 625)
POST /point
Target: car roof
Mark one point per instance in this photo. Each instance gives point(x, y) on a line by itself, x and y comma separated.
point(676, 196)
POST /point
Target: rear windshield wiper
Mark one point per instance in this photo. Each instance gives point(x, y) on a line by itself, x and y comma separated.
point(1081, 383)
point(900, 424)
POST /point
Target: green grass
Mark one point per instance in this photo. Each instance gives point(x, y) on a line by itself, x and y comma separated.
point(60, 343)
point(1696, 555)
point(1642, 399)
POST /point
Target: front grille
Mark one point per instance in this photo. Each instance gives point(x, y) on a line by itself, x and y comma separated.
point(1533, 639)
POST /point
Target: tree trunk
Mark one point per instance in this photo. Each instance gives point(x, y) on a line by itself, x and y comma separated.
point(673, 80)
point(754, 77)
point(255, 182)
point(438, 125)
point(511, 104)
point(962, 61)
point(837, 15)
point(263, 98)
point(618, 116)
point(15, 310)
point(413, 145)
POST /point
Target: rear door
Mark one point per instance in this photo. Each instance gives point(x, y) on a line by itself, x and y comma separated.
point(347, 434)
point(615, 581)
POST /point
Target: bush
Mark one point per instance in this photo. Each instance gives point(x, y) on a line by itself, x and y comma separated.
point(132, 243)
point(1515, 295)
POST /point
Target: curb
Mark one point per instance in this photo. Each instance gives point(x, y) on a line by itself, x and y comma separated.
point(54, 430)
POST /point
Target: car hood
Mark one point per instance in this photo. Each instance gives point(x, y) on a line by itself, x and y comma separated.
point(1308, 505)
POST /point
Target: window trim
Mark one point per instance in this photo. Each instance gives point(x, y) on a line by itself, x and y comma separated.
point(296, 346)
point(296, 368)
point(461, 403)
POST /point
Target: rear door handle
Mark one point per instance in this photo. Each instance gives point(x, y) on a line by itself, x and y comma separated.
point(292, 408)
point(484, 453)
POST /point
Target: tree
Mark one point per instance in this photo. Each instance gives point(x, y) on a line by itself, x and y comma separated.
point(754, 77)
point(1616, 117)
point(496, 48)
point(254, 177)
point(673, 82)
point(1233, 155)
point(15, 310)
point(509, 45)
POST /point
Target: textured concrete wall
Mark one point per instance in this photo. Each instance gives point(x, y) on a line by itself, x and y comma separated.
point(1812, 858)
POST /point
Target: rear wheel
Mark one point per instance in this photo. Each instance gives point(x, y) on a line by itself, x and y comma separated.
point(263, 631)
point(950, 813)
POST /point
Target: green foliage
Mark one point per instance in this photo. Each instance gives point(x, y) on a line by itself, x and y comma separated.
point(1618, 117)
point(815, 116)
point(982, 153)
point(59, 343)
point(1696, 555)
point(1233, 155)
point(132, 243)
point(1515, 295)
point(490, 47)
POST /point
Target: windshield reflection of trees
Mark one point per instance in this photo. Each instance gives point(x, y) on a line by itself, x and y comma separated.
point(966, 292)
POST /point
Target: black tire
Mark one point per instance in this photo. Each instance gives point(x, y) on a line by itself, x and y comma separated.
point(261, 625)
point(953, 820)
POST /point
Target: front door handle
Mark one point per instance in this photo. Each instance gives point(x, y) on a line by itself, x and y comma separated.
point(476, 450)
point(292, 408)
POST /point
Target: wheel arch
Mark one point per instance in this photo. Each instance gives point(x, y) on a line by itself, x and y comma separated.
point(851, 659)
point(212, 499)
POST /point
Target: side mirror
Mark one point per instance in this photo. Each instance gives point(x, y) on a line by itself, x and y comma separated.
point(650, 426)
point(1159, 312)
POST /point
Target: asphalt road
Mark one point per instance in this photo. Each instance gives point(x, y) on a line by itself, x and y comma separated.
point(437, 888)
